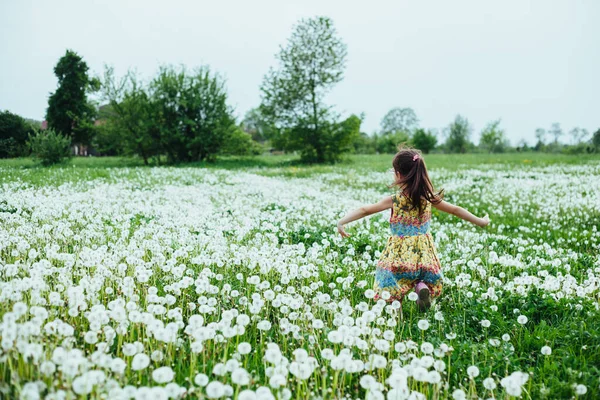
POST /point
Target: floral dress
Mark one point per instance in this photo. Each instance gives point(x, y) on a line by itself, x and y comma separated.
point(409, 256)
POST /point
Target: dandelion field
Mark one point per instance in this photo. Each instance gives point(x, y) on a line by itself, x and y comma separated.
point(157, 283)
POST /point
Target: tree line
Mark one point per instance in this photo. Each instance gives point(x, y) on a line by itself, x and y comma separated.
point(183, 115)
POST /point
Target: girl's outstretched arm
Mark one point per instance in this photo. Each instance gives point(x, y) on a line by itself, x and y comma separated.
point(462, 213)
point(362, 212)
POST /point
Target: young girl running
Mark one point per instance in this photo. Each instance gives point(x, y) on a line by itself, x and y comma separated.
point(409, 259)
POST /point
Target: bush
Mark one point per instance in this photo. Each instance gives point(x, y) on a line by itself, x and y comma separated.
point(14, 131)
point(240, 143)
point(388, 144)
point(49, 146)
point(424, 140)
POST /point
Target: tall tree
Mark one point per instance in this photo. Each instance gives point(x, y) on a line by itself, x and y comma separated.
point(399, 120)
point(555, 131)
point(540, 135)
point(292, 95)
point(459, 133)
point(578, 134)
point(493, 139)
point(69, 110)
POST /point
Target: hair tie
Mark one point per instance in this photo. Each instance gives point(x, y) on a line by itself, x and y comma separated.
point(415, 157)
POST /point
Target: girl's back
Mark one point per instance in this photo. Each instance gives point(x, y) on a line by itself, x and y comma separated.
point(406, 220)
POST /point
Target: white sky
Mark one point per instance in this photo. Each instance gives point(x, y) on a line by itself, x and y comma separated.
point(530, 63)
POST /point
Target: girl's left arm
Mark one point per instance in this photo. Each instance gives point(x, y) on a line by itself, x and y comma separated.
point(362, 212)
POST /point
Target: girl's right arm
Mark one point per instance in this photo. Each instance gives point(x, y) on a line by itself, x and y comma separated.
point(462, 213)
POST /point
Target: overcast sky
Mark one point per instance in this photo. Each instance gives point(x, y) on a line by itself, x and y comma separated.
point(529, 63)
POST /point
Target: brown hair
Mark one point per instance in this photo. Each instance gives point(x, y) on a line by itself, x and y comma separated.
point(412, 177)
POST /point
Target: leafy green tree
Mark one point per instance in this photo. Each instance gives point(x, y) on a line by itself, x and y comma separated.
point(292, 95)
point(399, 120)
point(493, 138)
point(424, 140)
point(69, 110)
point(347, 133)
point(129, 124)
point(596, 139)
point(14, 132)
point(192, 113)
point(459, 132)
point(49, 146)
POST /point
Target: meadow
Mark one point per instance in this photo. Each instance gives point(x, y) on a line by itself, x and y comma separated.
point(229, 280)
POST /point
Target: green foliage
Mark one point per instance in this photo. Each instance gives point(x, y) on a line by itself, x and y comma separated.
point(14, 131)
point(192, 113)
point(364, 144)
point(399, 120)
point(292, 96)
point(240, 143)
point(388, 144)
point(49, 146)
point(493, 139)
point(596, 139)
point(424, 140)
point(459, 133)
point(179, 114)
point(129, 126)
point(69, 110)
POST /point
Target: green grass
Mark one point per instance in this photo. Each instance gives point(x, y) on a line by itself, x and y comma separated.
point(87, 168)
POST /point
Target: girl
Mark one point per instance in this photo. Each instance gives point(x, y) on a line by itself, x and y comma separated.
point(409, 259)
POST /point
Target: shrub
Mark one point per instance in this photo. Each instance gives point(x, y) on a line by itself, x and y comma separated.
point(240, 143)
point(388, 144)
point(14, 131)
point(49, 146)
point(424, 140)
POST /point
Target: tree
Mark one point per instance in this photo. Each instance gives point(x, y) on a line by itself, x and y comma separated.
point(399, 120)
point(493, 139)
point(257, 126)
point(14, 132)
point(555, 131)
point(596, 139)
point(130, 124)
point(292, 95)
point(69, 110)
point(424, 140)
point(192, 113)
point(578, 134)
point(540, 135)
point(459, 132)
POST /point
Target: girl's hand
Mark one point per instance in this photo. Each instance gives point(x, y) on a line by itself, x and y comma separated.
point(342, 231)
point(485, 221)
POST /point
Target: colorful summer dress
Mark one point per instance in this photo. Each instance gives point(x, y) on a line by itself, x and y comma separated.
point(409, 256)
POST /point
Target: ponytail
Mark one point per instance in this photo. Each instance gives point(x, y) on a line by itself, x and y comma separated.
point(412, 177)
